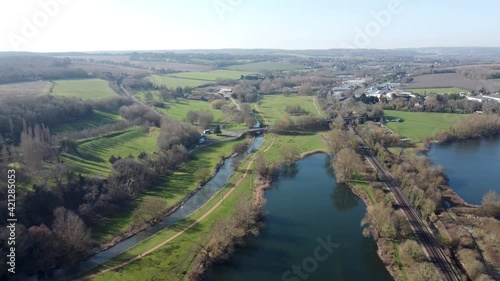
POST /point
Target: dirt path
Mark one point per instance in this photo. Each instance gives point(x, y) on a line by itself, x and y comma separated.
point(316, 106)
point(263, 117)
point(87, 277)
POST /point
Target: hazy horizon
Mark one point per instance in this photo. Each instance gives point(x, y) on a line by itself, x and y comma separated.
point(93, 26)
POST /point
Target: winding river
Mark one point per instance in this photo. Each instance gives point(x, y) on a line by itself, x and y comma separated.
point(192, 204)
point(473, 166)
point(312, 232)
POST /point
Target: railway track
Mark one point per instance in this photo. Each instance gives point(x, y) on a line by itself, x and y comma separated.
point(426, 238)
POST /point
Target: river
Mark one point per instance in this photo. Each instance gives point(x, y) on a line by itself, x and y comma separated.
point(473, 166)
point(192, 204)
point(312, 223)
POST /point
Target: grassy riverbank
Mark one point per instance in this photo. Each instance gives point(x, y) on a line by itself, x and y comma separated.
point(173, 190)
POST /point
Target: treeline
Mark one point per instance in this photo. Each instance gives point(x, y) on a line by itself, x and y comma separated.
point(451, 103)
point(51, 111)
point(33, 68)
point(474, 127)
point(382, 222)
point(224, 236)
point(300, 124)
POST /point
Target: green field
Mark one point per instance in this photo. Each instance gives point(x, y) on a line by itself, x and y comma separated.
point(418, 126)
point(93, 154)
point(173, 190)
point(173, 82)
point(273, 106)
point(212, 75)
point(86, 89)
point(266, 65)
point(427, 91)
point(96, 119)
point(177, 109)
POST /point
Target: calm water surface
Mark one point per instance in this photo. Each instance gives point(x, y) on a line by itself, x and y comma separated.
point(472, 166)
point(306, 210)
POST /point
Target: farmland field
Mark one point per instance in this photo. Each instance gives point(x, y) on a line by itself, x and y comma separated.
point(25, 89)
point(273, 106)
point(212, 75)
point(420, 125)
point(93, 154)
point(267, 65)
point(86, 89)
point(178, 109)
point(96, 119)
point(453, 80)
point(174, 82)
point(426, 91)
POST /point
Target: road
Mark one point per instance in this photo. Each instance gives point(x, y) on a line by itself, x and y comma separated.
point(428, 241)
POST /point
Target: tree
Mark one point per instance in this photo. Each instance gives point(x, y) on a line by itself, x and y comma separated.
point(376, 222)
point(400, 225)
point(165, 95)
point(203, 175)
point(151, 209)
point(411, 252)
point(305, 89)
point(191, 116)
point(72, 232)
point(240, 148)
point(217, 130)
point(289, 154)
point(338, 139)
point(285, 91)
point(204, 118)
point(491, 203)
point(424, 272)
point(346, 164)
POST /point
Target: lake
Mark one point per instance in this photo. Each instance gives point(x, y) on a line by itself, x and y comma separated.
point(312, 232)
point(473, 166)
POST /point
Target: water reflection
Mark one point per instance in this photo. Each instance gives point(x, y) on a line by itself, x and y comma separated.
point(289, 171)
point(343, 198)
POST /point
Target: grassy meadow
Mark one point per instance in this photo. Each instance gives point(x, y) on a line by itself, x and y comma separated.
point(273, 106)
point(96, 119)
point(93, 154)
point(177, 109)
point(86, 89)
point(418, 126)
point(173, 190)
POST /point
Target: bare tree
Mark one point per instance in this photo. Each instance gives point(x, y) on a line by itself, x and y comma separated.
point(346, 164)
point(204, 118)
point(289, 154)
point(376, 221)
point(305, 89)
point(191, 116)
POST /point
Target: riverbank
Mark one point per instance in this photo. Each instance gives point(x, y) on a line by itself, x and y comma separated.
point(184, 176)
point(181, 239)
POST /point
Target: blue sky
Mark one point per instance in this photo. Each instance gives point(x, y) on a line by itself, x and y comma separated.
point(92, 25)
